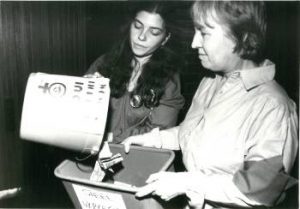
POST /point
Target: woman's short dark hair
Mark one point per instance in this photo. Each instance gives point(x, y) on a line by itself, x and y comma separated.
point(244, 20)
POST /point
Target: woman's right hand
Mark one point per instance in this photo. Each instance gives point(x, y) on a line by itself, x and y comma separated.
point(136, 140)
point(9, 192)
point(150, 139)
point(94, 75)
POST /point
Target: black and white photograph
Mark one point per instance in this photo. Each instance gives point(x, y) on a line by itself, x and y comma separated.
point(149, 104)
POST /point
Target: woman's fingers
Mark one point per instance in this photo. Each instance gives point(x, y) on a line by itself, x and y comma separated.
point(9, 192)
point(127, 143)
point(110, 137)
point(137, 140)
point(146, 190)
point(157, 188)
point(94, 75)
point(166, 185)
point(154, 177)
point(97, 75)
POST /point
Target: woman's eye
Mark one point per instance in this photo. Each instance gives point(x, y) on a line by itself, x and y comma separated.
point(156, 32)
point(137, 25)
point(203, 33)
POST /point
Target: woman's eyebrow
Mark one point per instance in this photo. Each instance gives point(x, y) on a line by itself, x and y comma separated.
point(198, 26)
point(137, 20)
point(203, 27)
point(208, 25)
point(156, 28)
point(152, 27)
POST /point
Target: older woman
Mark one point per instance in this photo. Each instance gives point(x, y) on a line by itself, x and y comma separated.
point(239, 138)
point(144, 82)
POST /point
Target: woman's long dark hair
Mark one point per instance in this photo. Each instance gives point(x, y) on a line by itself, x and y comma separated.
point(155, 75)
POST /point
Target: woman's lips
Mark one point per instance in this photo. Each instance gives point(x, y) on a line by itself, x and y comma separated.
point(139, 46)
point(201, 56)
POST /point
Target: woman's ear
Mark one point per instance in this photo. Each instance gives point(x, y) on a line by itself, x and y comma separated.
point(166, 39)
point(250, 45)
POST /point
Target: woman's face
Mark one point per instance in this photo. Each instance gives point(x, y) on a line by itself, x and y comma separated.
point(215, 47)
point(147, 33)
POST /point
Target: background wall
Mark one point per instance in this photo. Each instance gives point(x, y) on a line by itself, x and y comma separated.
point(64, 38)
point(35, 37)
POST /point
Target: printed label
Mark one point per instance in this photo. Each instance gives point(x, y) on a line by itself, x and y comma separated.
point(90, 198)
point(65, 111)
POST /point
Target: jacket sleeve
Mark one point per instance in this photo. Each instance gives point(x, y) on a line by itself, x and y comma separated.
point(94, 67)
point(163, 116)
point(264, 177)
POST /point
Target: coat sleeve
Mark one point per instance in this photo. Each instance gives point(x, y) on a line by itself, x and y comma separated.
point(163, 116)
point(271, 149)
point(95, 66)
point(270, 152)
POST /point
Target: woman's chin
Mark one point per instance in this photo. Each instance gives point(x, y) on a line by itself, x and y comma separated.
point(205, 64)
point(139, 54)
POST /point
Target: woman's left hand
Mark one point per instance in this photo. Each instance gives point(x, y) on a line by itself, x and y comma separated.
point(166, 185)
point(94, 75)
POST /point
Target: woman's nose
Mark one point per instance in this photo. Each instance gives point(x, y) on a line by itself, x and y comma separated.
point(142, 35)
point(197, 41)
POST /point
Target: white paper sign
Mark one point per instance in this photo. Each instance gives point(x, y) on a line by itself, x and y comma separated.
point(92, 198)
point(65, 111)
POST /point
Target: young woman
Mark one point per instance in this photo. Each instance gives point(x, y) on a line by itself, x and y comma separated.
point(145, 85)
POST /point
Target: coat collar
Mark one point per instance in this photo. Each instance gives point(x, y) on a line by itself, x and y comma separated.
point(257, 76)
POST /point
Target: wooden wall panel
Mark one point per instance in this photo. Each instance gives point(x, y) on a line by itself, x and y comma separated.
point(34, 37)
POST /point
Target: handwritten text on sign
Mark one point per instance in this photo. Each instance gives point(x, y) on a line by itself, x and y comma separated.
point(90, 198)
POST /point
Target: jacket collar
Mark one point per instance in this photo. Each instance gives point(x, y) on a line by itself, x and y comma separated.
point(257, 76)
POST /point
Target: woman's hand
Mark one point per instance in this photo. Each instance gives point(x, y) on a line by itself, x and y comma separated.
point(150, 139)
point(110, 136)
point(136, 140)
point(9, 193)
point(94, 75)
point(166, 185)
